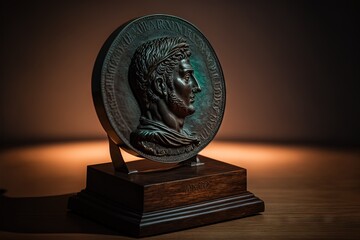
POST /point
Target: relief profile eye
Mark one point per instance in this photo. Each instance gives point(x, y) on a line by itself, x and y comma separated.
point(187, 77)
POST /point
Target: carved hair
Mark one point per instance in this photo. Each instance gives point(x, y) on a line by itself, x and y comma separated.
point(155, 59)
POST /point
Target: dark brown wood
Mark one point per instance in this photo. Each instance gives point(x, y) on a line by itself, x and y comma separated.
point(156, 202)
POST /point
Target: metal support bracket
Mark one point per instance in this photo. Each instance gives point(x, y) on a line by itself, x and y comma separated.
point(193, 162)
point(117, 158)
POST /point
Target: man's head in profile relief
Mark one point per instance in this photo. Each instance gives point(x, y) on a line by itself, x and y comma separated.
point(163, 82)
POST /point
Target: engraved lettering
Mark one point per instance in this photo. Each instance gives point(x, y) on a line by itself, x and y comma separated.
point(160, 24)
point(168, 25)
point(200, 186)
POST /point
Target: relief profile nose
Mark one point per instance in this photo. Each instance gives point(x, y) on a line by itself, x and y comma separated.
point(196, 87)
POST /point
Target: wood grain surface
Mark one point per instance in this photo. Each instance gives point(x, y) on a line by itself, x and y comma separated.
point(309, 192)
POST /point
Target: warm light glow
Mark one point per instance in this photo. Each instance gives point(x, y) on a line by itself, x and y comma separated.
point(64, 165)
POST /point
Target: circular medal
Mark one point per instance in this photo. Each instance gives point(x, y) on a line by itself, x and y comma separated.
point(158, 88)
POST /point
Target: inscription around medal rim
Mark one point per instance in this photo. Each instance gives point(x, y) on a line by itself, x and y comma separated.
point(141, 26)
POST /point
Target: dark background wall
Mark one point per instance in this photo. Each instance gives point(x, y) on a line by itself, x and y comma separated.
point(291, 67)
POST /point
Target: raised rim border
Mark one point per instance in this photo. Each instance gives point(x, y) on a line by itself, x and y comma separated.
point(99, 99)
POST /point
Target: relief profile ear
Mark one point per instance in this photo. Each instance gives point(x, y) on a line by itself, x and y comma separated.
point(160, 87)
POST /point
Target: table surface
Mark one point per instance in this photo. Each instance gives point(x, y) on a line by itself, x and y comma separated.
point(309, 192)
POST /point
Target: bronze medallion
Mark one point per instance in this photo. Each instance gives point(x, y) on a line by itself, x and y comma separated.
point(158, 88)
point(159, 92)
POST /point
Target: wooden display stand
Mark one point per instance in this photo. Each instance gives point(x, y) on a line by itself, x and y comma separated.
point(143, 204)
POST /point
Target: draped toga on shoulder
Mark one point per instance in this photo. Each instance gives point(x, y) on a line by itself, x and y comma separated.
point(158, 133)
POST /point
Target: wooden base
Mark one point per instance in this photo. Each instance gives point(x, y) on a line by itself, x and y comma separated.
point(144, 204)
